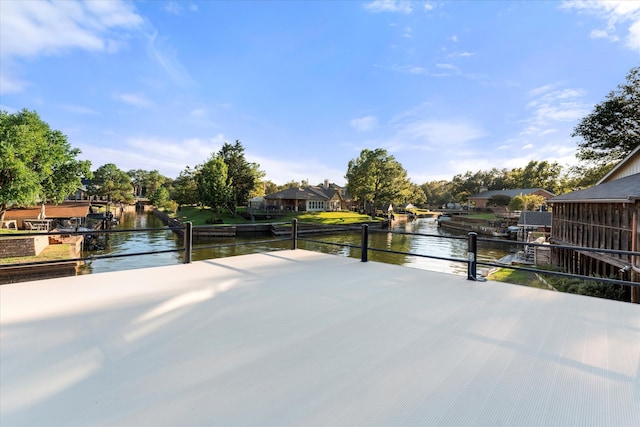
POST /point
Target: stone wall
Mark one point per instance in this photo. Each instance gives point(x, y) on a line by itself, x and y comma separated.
point(22, 246)
point(37, 272)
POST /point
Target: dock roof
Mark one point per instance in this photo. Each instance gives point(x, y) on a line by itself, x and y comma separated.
point(304, 338)
point(65, 210)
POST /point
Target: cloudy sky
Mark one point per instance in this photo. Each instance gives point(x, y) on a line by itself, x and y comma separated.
point(445, 87)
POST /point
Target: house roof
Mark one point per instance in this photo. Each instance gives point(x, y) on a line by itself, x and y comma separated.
point(626, 161)
point(298, 194)
point(307, 193)
point(623, 190)
point(535, 218)
point(66, 210)
point(507, 192)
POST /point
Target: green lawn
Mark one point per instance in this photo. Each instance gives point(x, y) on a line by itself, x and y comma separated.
point(50, 253)
point(518, 277)
point(487, 216)
point(200, 216)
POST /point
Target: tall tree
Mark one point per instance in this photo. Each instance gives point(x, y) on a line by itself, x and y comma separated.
point(185, 188)
point(377, 178)
point(612, 129)
point(241, 174)
point(36, 162)
point(112, 183)
point(542, 174)
point(211, 181)
point(438, 192)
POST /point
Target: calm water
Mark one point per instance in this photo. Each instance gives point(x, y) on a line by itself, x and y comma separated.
point(129, 242)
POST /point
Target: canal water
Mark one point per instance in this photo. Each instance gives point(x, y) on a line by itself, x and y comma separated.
point(133, 242)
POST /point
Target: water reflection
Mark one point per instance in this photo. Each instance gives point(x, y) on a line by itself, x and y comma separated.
point(345, 245)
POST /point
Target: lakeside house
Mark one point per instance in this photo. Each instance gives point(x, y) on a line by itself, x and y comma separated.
point(605, 216)
point(325, 197)
point(481, 199)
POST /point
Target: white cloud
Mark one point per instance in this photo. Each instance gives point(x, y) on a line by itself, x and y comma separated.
point(447, 67)
point(176, 8)
point(429, 134)
point(31, 28)
point(34, 28)
point(173, 8)
point(378, 6)
point(428, 6)
point(135, 99)
point(601, 34)
point(167, 156)
point(615, 14)
point(363, 124)
point(166, 56)
point(10, 84)
point(553, 105)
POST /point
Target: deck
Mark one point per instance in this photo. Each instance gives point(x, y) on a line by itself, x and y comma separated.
point(303, 338)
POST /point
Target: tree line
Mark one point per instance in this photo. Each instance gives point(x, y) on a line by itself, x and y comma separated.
point(38, 165)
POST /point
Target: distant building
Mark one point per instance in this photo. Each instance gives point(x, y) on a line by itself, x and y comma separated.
point(480, 200)
point(325, 197)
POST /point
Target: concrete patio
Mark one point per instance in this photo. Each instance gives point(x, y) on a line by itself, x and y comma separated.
point(304, 338)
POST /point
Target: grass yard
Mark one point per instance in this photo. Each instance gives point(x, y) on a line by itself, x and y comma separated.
point(487, 216)
point(50, 253)
point(199, 216)
point(517, 277)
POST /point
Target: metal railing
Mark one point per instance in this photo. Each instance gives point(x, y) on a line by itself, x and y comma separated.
point(364, 230)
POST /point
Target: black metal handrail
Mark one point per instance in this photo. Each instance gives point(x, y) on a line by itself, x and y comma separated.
point(471, 260)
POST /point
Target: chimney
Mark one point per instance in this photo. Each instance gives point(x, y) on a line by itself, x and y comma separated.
point(326, 183)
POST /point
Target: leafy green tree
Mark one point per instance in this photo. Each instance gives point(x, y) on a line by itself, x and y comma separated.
point(137, 180)
point(145, 182)
point(185, 188)
point(160, 197)
point(36, 162)
point(211, 182)
point(242, 175)
point(612, 129)
point(524, 202)
point(270, 187)
point(113, 184)
point(289, 184)
point(415, 196)
point(153, 180)
point(438, 193)
point(376, 177)
point(537, 174)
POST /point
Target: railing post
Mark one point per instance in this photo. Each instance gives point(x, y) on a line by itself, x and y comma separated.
point(188, 242)
point(364, 255)
point(294, 234)
point(472, 252)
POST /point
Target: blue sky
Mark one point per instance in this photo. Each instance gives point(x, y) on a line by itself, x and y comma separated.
point(445, 87)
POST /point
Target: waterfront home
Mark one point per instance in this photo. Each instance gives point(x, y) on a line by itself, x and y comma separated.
point(480, 200)
point(325, 197)
point(605, 216)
